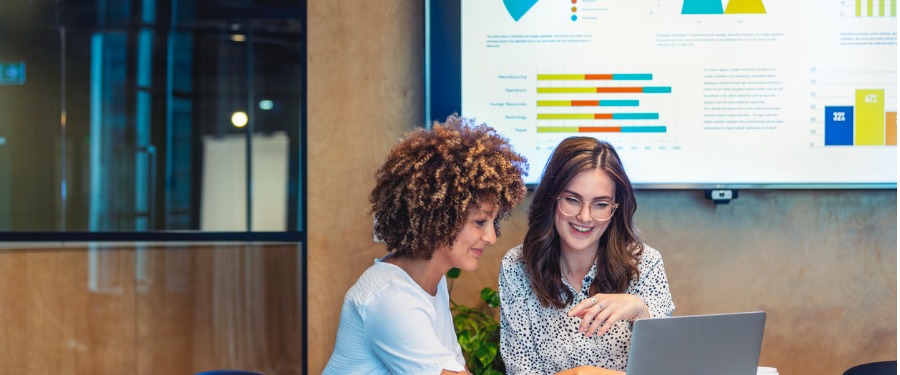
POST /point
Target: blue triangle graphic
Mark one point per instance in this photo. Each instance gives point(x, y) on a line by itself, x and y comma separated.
point(518, 8)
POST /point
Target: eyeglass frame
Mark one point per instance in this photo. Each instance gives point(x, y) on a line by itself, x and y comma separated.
point(583, 205)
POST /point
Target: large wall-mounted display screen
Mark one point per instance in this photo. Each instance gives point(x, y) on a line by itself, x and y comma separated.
point(693, 93)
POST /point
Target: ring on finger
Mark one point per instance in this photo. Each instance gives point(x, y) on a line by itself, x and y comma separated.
point(594, 302)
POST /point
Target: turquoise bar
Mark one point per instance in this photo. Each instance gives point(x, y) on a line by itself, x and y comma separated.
point(619, 103)
point(632, 77)
point(635, 116)
point(643, 129)
point(658, 90)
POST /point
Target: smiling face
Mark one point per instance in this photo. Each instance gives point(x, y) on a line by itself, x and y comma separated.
point(580, 232)
point(476, 234)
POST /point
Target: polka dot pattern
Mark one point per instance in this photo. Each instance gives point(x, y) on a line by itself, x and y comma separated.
point(544, 340)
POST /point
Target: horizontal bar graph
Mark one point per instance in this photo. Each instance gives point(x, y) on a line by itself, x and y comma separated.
point(598, 116)
point(588, 103)
point(601, 129)
point(579, 109)
point(596, 77)
point(605, 90)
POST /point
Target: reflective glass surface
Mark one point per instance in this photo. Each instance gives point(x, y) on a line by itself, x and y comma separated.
point(151, 115)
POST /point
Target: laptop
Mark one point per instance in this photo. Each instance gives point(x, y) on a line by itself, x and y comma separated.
point(719, 344)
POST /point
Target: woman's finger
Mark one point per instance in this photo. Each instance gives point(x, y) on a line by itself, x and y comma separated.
point(589, 316)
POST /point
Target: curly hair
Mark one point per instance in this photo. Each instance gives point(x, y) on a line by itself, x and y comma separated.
point(432, 178)
point(620, 247)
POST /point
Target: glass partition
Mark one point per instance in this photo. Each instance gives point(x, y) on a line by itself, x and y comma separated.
point(151, 115)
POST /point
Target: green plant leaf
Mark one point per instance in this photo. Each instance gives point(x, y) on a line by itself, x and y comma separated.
point(486, 353)
point(476, 331)
point(490, 296)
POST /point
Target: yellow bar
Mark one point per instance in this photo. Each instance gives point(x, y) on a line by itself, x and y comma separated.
point(869, 118)
point(553, 129)
point(858, 8)
point(560, 77)
point(869, 8)
point(565, 116)
point(881, 8)
point(890, 128)
point(554, 103)
point(567, 90)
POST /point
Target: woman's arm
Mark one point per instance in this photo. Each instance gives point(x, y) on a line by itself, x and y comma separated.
point(516, 345)
point(653, 287)
point(448, 372)
point(589, 370)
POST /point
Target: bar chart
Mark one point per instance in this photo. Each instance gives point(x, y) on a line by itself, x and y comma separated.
point(866, 123)
point(626, 112)
point(871, 8)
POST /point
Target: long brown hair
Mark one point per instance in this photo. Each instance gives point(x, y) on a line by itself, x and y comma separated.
point(619, 248)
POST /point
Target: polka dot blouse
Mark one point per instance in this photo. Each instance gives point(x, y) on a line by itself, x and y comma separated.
point(544, 340)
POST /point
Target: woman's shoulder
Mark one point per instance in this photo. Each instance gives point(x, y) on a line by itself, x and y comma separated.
point(376, 279)
point(649, 255)
point(513, 257)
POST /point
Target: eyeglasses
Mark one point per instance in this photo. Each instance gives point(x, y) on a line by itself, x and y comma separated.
point(600, 210)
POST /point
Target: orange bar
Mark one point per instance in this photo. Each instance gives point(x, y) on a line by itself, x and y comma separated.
point(620, 89)
point(597, 76)
point(603, 116)
point(598, 129)
point(890, 128)
point(584, 103)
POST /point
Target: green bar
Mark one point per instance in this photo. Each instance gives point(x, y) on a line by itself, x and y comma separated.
point(566, 90)
point(565, 116)
point(881, 8)
point(554, 103)
point(553, 129)
point(858, 8)
point(869, 8)
point(893, 8)
point(560, 77)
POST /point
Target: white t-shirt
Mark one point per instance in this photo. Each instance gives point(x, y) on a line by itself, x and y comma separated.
point(390, 325)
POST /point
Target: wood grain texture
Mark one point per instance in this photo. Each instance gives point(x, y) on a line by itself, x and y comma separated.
point(365, 91)
point(150, 310)
point(822, 264)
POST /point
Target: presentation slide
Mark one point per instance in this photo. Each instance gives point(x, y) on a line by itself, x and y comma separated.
point(693, 93)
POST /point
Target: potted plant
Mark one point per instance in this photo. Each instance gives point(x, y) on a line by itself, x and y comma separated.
point(478, 332)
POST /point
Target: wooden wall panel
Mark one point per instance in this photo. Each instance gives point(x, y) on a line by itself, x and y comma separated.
point(821, 263)
point(150, 309)
point(364, 92)
point(53, 323)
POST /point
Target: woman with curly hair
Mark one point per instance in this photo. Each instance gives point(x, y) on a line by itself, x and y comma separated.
point(437, 202)
point(570, 291)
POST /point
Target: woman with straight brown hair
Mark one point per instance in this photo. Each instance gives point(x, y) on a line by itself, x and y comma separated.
point(570, 292)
